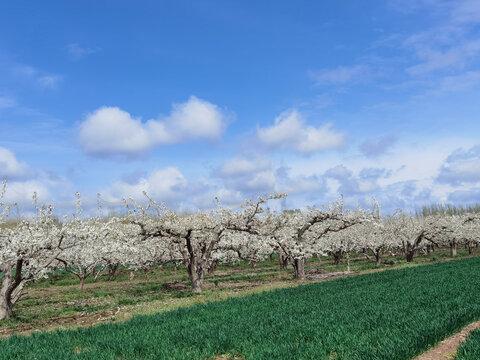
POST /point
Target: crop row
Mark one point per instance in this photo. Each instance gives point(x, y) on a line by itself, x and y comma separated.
point(388, 315)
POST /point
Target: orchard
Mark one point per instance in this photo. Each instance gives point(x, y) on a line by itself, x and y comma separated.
point(152, 235)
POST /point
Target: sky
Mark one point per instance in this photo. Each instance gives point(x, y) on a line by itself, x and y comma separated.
point(193, 100)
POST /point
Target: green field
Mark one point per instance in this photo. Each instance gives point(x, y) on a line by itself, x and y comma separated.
point(470, 349)
point(393, 314)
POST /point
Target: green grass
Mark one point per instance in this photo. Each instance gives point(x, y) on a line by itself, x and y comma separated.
point(58, 296)
point(470, 349)
point(394, 315)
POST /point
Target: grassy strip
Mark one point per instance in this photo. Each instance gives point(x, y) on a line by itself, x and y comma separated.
point(470, 349)
point(388, 315)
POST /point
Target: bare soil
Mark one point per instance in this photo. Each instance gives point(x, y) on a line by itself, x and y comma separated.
point(447, 349)
point(59, 322)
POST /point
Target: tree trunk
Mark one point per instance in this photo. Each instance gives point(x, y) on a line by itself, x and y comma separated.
point(378, 257)
point(430, 249)
point(147, 272)
point(212, 267)
point(471, 248)
point(337, 256)
point(112, 271)
point(11, 288)
point(196, 279)
point(299, 268)
point(348, 261)
point(52, 277)
point(283, 260)
point(5, 309)
point(96, 275)
point(410, 255)
point(195, 272)
point(6, 305)
point(82, 282)
point(453, 249)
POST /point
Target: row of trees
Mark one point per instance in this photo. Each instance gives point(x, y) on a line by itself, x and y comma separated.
point(152, 234)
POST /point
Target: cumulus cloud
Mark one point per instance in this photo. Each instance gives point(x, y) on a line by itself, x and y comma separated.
point(258, 175)
point(341, 75)
point(162, 185)
point(461, 167)
point(378, 146)
point(111, 131)
point(227, 197)
point(23, 181)
point(249, 176)
point(310, 186)
point(11, 168)
point(21, 192)
point(241, 166)
point(290, 131)
point(365, 182)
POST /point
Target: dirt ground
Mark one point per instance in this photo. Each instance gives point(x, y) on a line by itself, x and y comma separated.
point(447, 349)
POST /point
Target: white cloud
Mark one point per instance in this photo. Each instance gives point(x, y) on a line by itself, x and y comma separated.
point(406, 178)
point(195, 119)
point(240, 166)
point(258, 175)
point(365, 182)
point(227, 197)
point(22, 191)
point(249, 176)
point(291, 132)
point(162, 185)
point(10, 167)
point(23, 181)
point(455, 57)
point(452, 46)
point(341, 75)
point(110, 130)
point(460, 167)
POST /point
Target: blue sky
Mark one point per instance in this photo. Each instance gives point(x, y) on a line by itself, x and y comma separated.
point(190, 100)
